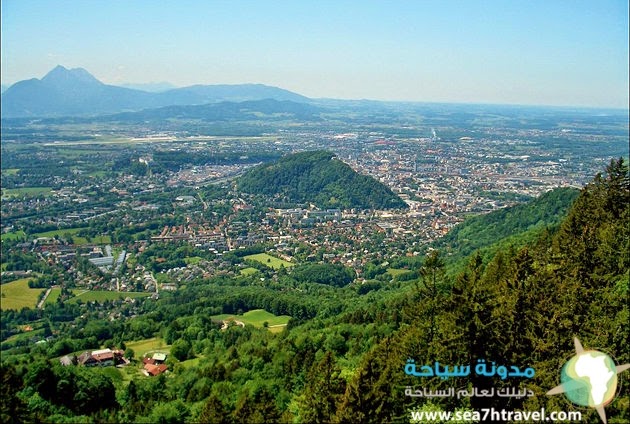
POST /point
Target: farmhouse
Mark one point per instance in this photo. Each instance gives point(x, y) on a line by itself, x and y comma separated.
point(103, 358)
point(155, 365)
point(153, 370)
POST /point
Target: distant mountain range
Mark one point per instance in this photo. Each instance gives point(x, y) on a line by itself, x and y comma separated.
point(151, 87)
point(248, 110)
point(75, 92)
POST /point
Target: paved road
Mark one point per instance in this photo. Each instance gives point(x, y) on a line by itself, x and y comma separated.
point(40, 305)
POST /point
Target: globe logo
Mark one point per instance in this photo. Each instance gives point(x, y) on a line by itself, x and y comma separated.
point(589, 379)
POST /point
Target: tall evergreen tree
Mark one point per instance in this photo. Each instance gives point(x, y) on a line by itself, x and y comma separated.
point(323, 391)
point(213, 411)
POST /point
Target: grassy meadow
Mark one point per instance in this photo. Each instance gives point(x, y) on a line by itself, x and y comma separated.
point(248, 271)
point(25, 191)
point(257, 317)
point(66, 233)
point(17, 295)
point(93, 295)
point(13, 235)
point(103, 295)
point(142, 347)
point(268, 260)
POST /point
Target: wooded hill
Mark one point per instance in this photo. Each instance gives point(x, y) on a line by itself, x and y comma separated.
point(320, 178)
point(516, 224)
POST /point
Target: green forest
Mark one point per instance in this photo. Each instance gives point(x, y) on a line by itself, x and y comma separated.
point(515, 225)
point(342, 356)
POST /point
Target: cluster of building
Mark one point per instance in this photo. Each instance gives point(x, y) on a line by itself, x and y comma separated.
point(212, 239)
point(304, 217)
point(151, 366)
point(96, 358)
point(107, 261)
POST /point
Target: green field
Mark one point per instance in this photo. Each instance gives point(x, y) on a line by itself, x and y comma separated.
point(248, 271)
point(64, 233)
point(25, 191)
point(53, 296)
point(192, 260)
point(114, 374)
point(17, 295)
point(257, 318)
point(191, 362)
point(129, 373)
point(61, 233)
point(70, 233)
point(103, 295)
point(79, 241)
point(142, 347)
point(13, 235)
point(395, 271)
point(10, 171)
point(268, 260)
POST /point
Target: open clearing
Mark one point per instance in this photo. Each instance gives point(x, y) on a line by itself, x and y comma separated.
point(80, 241)
point(192, 260)
point(93, 295)
point(257, 318)
point(13, 235)
point(396, 271)
point(67, 232)
point(17, 295)
point(142, 347)
point(103, 295)
point(248, 271)
point(191, 362)
point(25, 191)
point(268, 260)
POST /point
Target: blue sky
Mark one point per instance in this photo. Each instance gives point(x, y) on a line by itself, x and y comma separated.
point(550, 52)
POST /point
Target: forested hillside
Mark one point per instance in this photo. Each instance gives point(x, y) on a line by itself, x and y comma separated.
point(518, 224)
point(342, 356)
point(318, 177)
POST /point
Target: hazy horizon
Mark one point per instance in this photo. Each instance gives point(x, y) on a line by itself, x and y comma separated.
point(559, 53)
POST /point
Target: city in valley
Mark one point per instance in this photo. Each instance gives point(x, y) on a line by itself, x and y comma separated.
point(96, 200)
